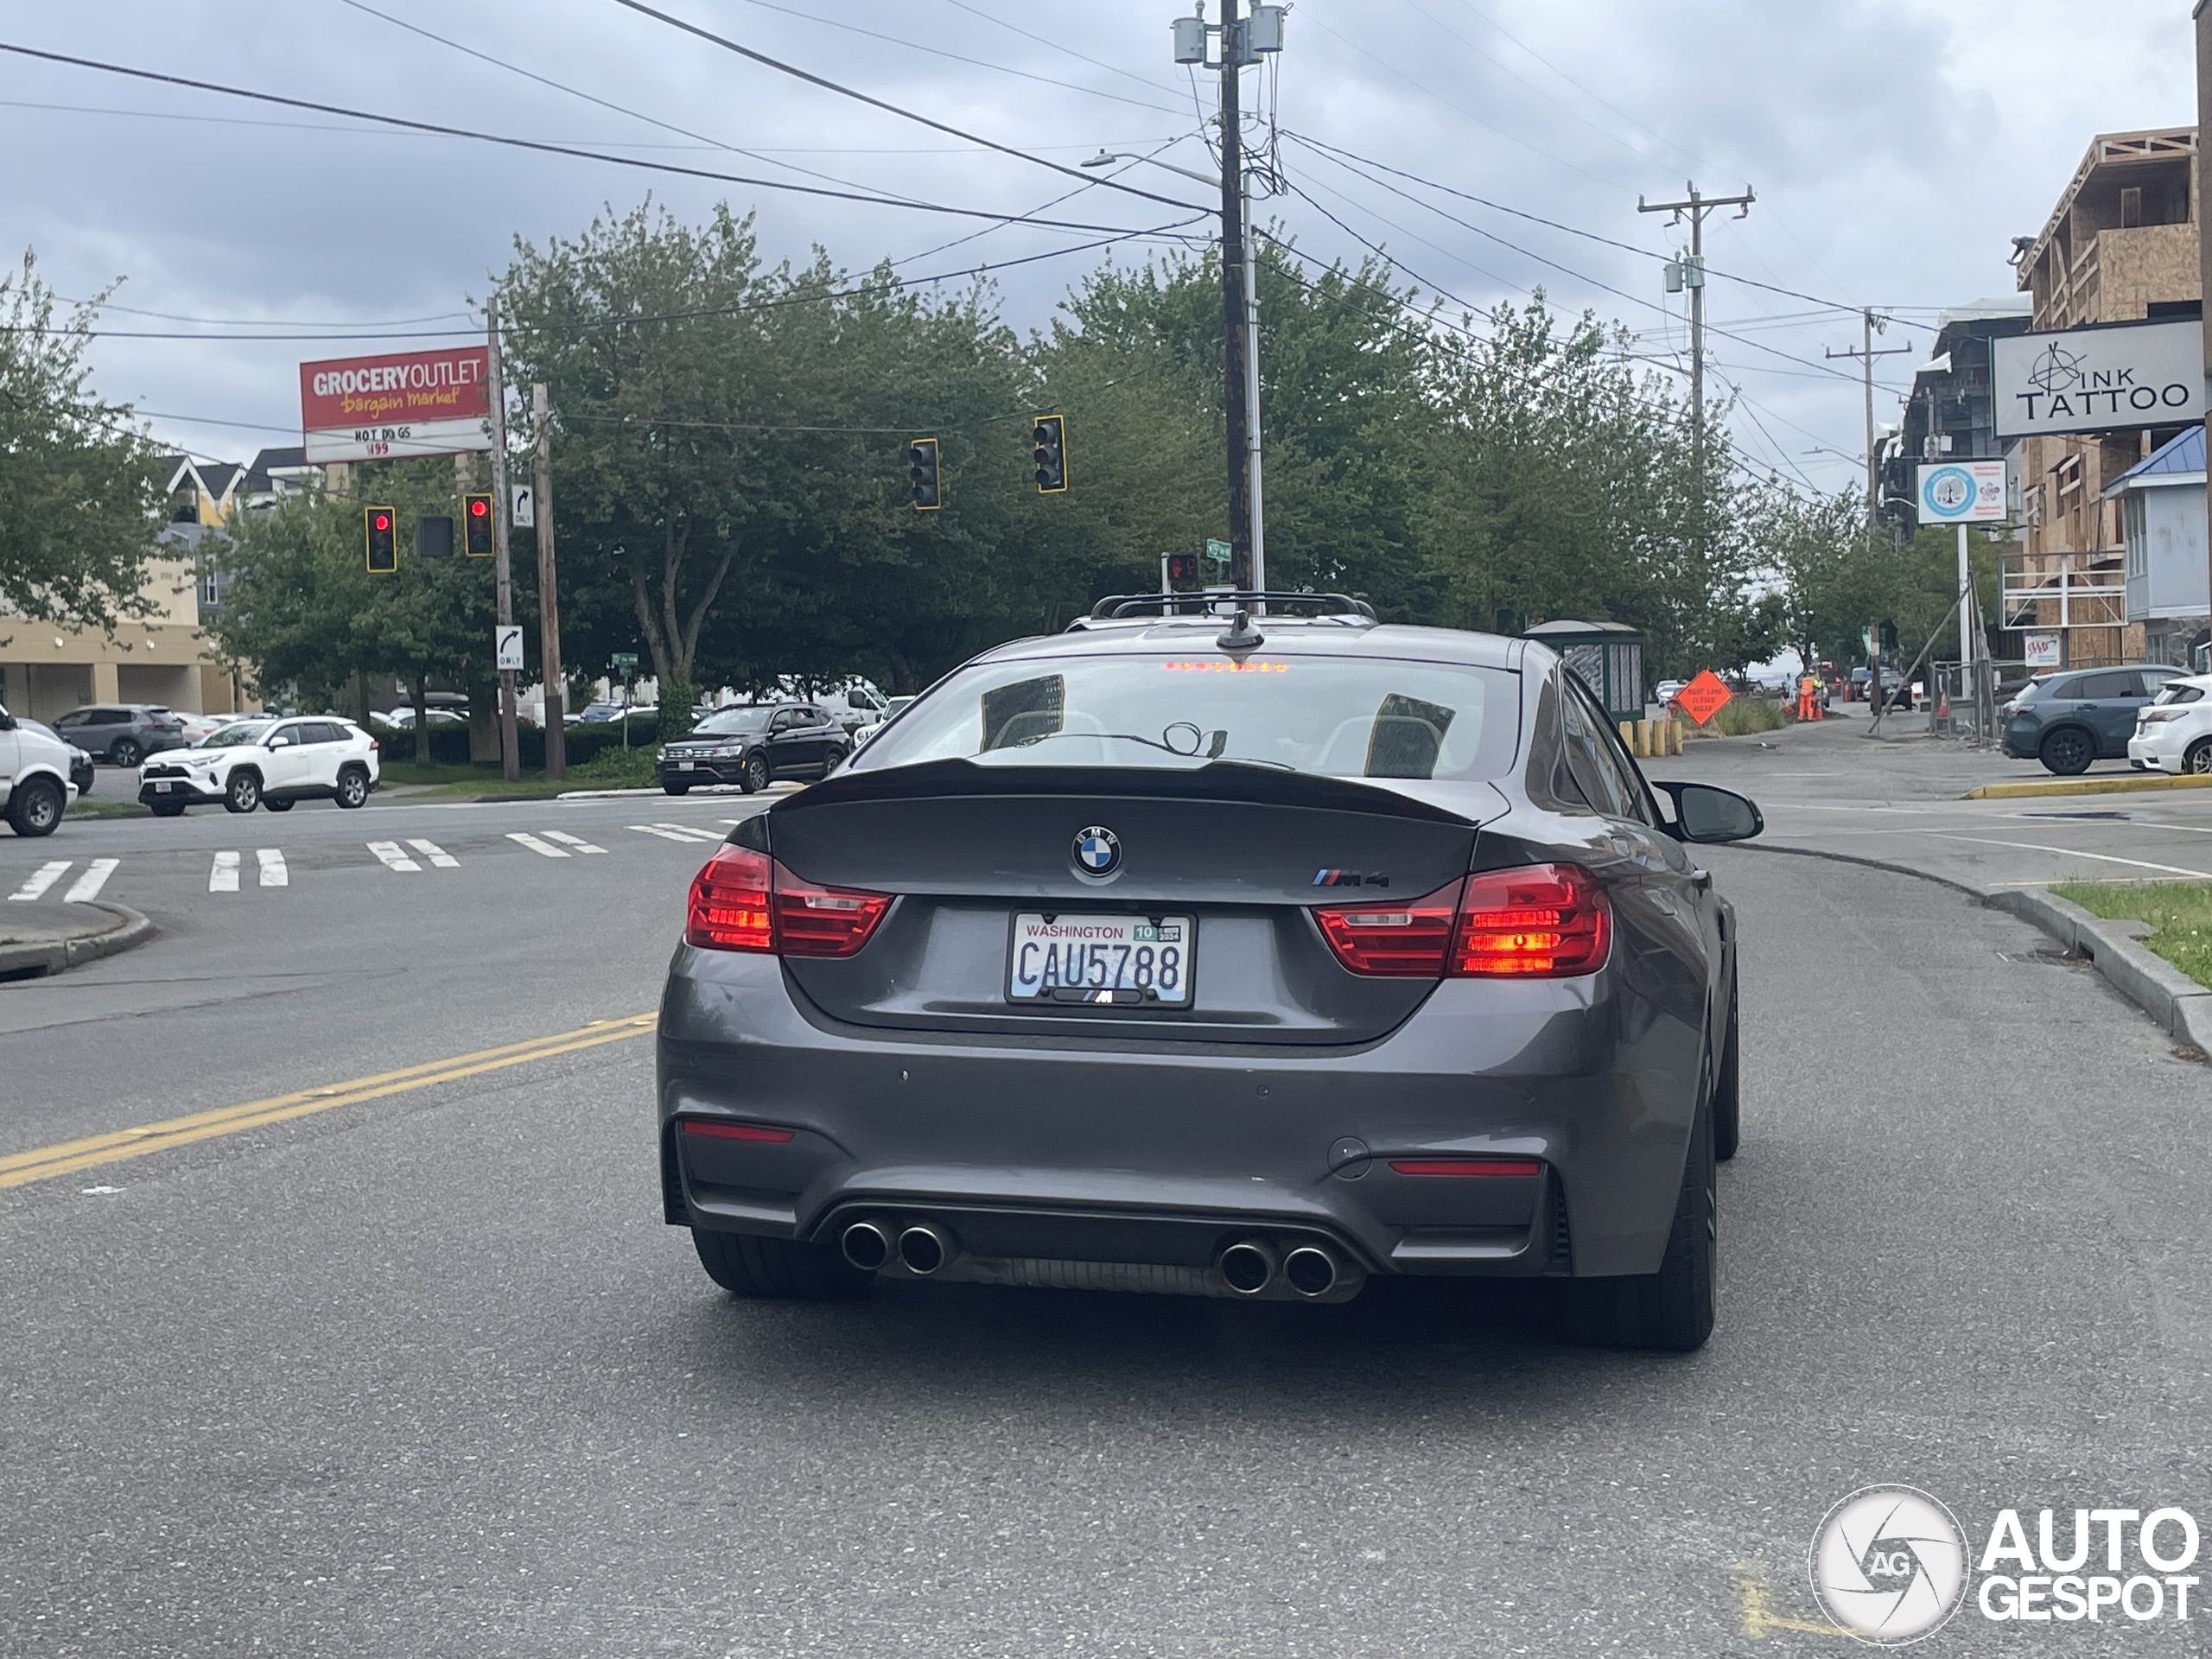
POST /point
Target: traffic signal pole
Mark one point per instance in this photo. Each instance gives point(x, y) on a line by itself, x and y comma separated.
point(1234, 389)
point(549, 604)
point(503, 580)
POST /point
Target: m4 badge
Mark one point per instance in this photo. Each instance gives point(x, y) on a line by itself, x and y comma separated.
point(1351, 878)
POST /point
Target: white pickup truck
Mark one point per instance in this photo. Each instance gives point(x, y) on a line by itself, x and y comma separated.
point(35, 786)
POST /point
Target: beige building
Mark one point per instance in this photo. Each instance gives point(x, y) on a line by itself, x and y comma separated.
point(46, 670)
point(2120, 246)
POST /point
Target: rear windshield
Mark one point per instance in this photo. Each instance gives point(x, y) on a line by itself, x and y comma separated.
point(1341, 716)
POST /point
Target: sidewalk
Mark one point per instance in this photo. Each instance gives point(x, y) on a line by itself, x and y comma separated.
point(52, 938)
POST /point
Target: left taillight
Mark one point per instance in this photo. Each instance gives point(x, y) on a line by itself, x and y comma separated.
point(1538, 921)
point(745, 900)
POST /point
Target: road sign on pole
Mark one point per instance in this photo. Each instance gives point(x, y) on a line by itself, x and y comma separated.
point(625, 661)
point(1962, 493)
point(1217, 551)
point(506, 646)
point(525, 516)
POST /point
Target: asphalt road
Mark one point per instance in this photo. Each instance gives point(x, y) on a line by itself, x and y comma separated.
point(426, 1373)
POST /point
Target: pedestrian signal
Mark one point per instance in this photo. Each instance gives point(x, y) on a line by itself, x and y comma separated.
point(380, 545)
point(1182, 567)
point(476, 526)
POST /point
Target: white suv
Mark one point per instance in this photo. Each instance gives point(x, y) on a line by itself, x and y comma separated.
point(2174, 733)
point(35, 786)
point(269, 763)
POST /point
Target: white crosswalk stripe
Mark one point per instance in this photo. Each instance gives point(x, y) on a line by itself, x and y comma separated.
point(691, 832)
point(44, 877)
point(435, 854)
point(674, 832)
point(273, 872)
point(576, 842)
point(87, 886)
point(543, 848)
point(223, 874)
point(392, 856)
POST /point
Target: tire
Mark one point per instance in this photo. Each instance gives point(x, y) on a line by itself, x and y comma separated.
point(36, 807)
point(271, 803)
point(2199, 758)
point(2068, 752)
point(125, 752)
point(166, 809)
point(677, 789)
point(243, 793)
point(1671, 1310)
point(1728, 1091)
point(753, 776)
point(353, 788)
point(745, 1265)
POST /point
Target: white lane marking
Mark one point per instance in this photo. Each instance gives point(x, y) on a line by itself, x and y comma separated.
point(392, 855)
point(273, 872)
point(666, 834)
point(44, 877)
point(87, 886)
point(543, 848)
point(435, 854)
point(576, 842)
point(223, 874)
point(689, 831)
point(2075, 852)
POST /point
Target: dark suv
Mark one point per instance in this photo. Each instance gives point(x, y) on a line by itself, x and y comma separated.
point(122, 733)
point(754, 746)
point(2067, 721)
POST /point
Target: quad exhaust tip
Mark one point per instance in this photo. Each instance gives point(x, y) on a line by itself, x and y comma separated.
point(1249, 1266)
point(867, 1245)
point(1311, 1271)
point(923, 1248)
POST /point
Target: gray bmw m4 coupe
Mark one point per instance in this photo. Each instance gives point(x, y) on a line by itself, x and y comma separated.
point(1232, 954)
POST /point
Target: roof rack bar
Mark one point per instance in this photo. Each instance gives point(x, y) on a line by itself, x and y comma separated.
point(1120, 605)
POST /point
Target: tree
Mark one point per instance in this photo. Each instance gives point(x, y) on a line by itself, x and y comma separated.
point(78, 489)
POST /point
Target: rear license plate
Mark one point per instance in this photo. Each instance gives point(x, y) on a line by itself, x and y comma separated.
point(1121, 961)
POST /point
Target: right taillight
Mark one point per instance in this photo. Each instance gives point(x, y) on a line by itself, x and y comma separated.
point(1539, 921)
point(745, 900)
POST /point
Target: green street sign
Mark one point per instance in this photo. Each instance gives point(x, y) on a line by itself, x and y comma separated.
point(625, 659)
point(1217, 551)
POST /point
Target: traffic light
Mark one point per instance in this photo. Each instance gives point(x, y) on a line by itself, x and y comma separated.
point(476, 525)
point(921, 474)
point(433, 535)
point(1048, 442)
point(1182, 567)
point(379, 541)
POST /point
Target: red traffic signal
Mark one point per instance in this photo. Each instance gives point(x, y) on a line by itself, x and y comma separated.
point(380, 548)
point(476, 526)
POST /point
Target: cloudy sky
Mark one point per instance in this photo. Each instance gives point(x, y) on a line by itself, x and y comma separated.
point(1896, 147)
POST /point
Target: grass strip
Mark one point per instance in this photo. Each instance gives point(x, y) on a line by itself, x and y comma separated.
point(2180, 914)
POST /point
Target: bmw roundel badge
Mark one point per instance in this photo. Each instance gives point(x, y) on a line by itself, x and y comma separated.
point(1097, 851)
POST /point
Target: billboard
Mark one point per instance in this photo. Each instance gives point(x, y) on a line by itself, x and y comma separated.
point(2104, 377)
point(407, 404)
point(1962, 493)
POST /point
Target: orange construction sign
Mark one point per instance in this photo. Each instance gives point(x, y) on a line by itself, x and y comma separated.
point(1702, 697)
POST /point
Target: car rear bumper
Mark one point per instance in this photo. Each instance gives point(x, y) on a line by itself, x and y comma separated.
point(1049, 1152)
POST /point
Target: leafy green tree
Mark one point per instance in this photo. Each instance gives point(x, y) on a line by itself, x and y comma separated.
point(78, 490)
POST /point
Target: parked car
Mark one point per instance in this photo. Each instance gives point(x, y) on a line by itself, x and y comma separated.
point(856, 706)
point(753, 744)
point(34, 784)
point(2069, 720)
point(597, 713)
point(121, 734)
point(1099, 968)
point(2174, 734)
point(403, 719)
point(80, 764)
point(271, 763)
point(1667, 690)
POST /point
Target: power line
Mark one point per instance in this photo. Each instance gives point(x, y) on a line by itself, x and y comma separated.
point(1057, 46)
point(813, 79)
point(575, 151)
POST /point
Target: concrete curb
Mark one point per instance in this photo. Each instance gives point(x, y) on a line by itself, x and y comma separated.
point(43, 960)
point(2180, 1006)
point(2108, 784)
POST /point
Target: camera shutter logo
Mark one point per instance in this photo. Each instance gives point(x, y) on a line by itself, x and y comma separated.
point(1890, 1565)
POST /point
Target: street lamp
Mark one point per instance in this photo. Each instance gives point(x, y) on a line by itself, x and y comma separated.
point(1108, 158)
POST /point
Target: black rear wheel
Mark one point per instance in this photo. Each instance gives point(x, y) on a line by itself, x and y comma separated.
point(1672, 1309)
point(746, 1266)
point(2068, 752)
point(353, 788)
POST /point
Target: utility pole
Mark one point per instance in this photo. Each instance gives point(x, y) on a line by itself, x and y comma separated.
point(1236, 393)
point(503, 579)
point(1695, 207)
point(1252, 390)
point(2202, 14)
point(548, 603)
point(1876, 697)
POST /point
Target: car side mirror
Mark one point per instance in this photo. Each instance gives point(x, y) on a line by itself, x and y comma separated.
point(1706, 814)
point(7, 720)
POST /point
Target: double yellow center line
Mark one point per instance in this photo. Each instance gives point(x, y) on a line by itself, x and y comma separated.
point(43, 1163)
